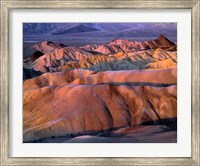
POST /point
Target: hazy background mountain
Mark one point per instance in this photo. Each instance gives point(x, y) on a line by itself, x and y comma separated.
point(80, 34)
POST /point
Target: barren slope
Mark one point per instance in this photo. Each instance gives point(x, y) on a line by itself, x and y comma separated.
point(116, 55)
point(100, 93)
point(70, 108)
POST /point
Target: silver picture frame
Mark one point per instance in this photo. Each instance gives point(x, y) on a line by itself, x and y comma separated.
point(6, 5)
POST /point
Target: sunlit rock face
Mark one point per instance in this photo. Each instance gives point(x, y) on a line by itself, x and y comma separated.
point(116, 88)
point(116, 55)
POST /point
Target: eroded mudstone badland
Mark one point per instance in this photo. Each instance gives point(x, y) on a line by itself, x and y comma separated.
point(120, 88)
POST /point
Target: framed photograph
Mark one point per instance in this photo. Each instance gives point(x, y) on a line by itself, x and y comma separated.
point(100, 82)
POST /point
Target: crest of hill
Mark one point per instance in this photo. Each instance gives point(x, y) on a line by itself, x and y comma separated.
point(100, 106)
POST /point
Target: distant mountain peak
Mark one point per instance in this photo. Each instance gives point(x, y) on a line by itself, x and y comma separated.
point(161, 36)
point(162, 40)
point(48, 43)
point(82, 28)
point(52, 44)
point(115, 39)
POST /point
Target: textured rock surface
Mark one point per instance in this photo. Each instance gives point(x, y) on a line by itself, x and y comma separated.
point(118, 92)
point(116, 55)
point(57, 109)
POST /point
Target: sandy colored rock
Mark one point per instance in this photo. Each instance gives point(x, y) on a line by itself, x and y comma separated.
point(79, 108)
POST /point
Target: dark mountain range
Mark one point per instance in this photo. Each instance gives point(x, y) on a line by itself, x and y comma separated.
point(77, 29)
point(89, 33)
